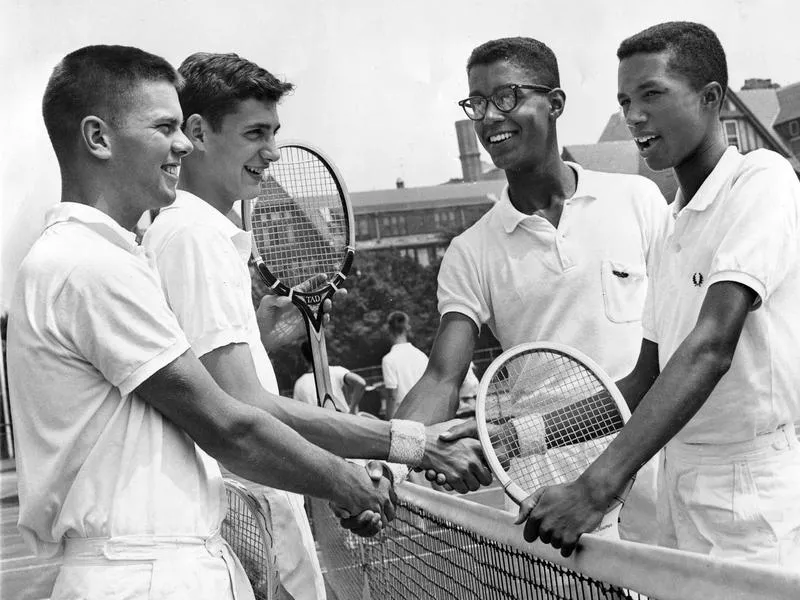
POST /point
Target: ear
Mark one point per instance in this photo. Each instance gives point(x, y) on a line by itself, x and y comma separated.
point(195, 128)
point(558, 100)
point(712, 94)
point(95, 137)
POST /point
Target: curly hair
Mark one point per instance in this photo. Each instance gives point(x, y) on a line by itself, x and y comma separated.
point(524, 52)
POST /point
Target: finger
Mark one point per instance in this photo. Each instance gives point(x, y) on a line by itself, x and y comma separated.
point(481, 472)
point(340, 512)
point(569, 544)
point(531, 531)
point(441, 479)
point(431, 475)
point(388, 510)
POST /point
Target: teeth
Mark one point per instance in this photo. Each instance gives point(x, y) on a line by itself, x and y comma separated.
point(254, 171)
point(645, 139)
point(500, 137)
point(171, 169)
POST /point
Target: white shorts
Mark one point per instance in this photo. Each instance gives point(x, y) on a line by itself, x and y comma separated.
point(737, 501)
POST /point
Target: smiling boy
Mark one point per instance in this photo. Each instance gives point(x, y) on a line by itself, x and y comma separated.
point(716, 380)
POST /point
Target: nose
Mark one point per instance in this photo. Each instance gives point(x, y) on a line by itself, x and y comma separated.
point(633, 115)
point(181, 144)
point(493, 113)
point(270, 152)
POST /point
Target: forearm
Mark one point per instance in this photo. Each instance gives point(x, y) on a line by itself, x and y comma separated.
point(431, 400)
point(679, 392)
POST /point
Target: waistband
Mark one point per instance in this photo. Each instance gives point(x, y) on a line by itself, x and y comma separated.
point(783, 437)
point(130, 549)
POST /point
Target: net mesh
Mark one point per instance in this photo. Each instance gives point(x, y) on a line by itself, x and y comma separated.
point(424, 555)
point(299, 222)
point(549, 417)
point(245, 528)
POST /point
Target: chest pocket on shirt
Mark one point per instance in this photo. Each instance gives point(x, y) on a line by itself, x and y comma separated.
point(624, 291)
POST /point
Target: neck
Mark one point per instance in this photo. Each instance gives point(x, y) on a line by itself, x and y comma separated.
point(694, 170)
point(543, 188)
point(401, 339)
point(194, 181)
point(90, 191)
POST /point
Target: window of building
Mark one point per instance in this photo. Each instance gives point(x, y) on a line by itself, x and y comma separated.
point(363, 227)
point(732, 132)
point(794, 129)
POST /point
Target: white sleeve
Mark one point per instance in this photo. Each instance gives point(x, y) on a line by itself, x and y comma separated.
point(760, 244)
point(203, 292)
point(657, 216)
point(119, 321)
point(459, 281)
point(389, 373)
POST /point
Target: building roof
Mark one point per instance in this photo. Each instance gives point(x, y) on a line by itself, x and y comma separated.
point(789, 98)
point(436, 196)
point(616, 130)
point(763, 103)
point(621, 157)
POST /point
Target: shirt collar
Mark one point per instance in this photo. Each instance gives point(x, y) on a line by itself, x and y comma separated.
point(94, 219)
point(711, 187)
point(510, 217)
point(201, 210)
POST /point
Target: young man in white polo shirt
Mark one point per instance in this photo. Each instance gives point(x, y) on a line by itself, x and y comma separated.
point(562, 257)
point(403, 365)
point(717, 378)
point(115, 418)
point(347, 386)
point(231, 113)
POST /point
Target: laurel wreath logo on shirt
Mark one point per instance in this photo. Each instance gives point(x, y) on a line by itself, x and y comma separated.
point(697, 279)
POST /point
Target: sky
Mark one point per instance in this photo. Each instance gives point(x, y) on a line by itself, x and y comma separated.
point(377, 80)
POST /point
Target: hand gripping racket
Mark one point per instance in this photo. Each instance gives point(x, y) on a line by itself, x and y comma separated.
point(544, 412)
point(302, 226)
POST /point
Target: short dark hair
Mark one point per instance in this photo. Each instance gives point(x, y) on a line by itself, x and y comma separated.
point(524, 52)
point(695, 51)
point(100, 81)
point(216, 83)
point(398, 322)
point(305, 350)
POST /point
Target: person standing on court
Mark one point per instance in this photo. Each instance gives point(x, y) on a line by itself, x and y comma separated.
point(116, 420)
point(403, 365)
point(347, 386)
point(716, 383)
point(231, 118)
point(563, 257)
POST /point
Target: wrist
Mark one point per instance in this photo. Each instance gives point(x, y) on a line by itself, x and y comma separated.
point(407, 442)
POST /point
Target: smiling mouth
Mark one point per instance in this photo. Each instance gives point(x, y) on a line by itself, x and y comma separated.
point(646, 141)
point(500, 137)
point(171, 169)
point(257, 172)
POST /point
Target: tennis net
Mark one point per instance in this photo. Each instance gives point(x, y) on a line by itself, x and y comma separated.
point(443, 547)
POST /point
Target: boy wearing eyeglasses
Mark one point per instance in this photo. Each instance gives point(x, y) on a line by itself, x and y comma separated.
point(562, 257)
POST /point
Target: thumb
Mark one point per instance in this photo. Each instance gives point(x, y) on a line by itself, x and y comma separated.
point(374, 470)
point(467, 429)
point(313, 283)
point(528, 505)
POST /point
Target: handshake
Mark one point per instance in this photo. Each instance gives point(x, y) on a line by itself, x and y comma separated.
point(368, 498)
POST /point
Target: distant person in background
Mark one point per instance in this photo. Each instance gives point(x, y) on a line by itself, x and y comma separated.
point(346, 385)
point(403, 365)
point(468, 393)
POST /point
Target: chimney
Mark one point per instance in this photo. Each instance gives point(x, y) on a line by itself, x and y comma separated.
point(759, 84)
point(400, 183)
point(468, 150)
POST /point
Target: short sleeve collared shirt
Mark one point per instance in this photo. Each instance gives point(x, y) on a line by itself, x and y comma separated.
point(202, 259)
point(582, 284)
point(88, 324)
point(742, 225)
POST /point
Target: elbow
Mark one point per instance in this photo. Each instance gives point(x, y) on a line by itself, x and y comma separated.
point(715, 358)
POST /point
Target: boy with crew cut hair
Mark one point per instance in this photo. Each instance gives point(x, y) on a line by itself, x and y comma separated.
point(116, 420)
point(231, 118)
point(564, 256)
point(716, 382)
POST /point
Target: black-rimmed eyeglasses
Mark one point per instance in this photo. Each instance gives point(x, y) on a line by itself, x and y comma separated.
point(505, 99)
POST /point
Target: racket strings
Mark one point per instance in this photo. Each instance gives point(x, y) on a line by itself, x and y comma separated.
point(299, 221)
point(548, 416)
point(243, 532)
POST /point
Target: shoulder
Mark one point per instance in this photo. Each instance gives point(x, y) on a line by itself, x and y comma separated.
point(617, 184)
point(761, 161)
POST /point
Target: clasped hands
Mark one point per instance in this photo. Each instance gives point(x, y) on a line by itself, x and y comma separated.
point(457, 462)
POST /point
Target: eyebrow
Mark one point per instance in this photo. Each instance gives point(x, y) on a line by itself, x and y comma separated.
point(641, 86)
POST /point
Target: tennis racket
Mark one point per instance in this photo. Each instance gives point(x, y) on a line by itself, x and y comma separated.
point(302, 226)
point(544, 413)
point(245, 528)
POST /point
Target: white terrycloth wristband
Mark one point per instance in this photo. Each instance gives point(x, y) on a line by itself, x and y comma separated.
point(530, 433)
point(407, 442)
